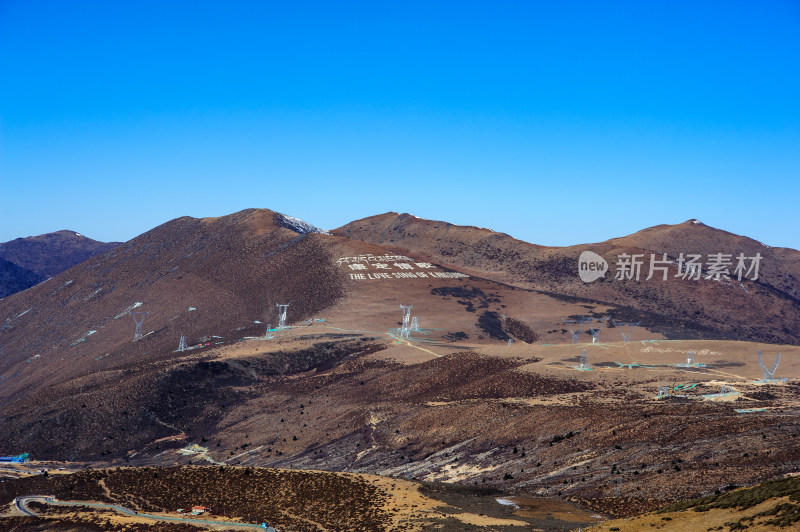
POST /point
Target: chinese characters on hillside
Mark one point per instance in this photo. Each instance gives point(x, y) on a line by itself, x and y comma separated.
point(371, 267)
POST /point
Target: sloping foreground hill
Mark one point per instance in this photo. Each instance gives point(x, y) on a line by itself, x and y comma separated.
point(289, 500)
point(303, 501)
point(772, 505)
point(52, 253)
point(767, 309)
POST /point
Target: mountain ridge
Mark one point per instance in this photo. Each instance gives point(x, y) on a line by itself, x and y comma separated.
point(47, 255)
point(773, 299)
point(486, 388)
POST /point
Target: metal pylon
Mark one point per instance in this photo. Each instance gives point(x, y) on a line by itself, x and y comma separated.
point(138, 318)
point(622, 325)
point(596, 330)
point(584, 359)
point(405, 329)
point(282, 316)
point(576, 335)
point(769, 374)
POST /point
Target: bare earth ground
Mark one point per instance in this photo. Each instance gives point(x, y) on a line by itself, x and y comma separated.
point(629, 451)
point(626, 441)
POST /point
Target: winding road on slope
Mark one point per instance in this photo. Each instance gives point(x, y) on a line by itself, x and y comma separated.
point(21, 504)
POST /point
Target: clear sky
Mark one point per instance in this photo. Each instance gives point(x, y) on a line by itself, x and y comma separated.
point(557, 122)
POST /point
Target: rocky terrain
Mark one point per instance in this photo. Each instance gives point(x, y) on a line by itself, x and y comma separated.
point(455, 403)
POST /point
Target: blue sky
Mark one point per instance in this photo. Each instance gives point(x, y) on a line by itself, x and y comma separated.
point(557, 122)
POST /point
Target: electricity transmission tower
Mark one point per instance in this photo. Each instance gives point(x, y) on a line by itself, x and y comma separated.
point(182, 344)
point(596, 330)
point(414, 324)
point(268, 336)
point(769, 373)
point(631, 325)
point(584, 361)
point(405, 329)
point(282, 316)
point(138, 318)
point(576, 335)
point(690, 361)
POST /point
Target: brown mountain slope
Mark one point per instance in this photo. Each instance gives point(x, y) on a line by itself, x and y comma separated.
point(213, 280)
point(767, 309)
point(199, 277)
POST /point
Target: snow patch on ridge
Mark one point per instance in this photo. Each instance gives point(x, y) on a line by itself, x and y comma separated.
point(297, 225)
point(128, 310)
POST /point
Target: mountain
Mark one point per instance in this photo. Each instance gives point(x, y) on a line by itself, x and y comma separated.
point(215, 281)
point(194, 276)
point(52, 253)
point(15, 278)
point(766, 309)
point(455, 400)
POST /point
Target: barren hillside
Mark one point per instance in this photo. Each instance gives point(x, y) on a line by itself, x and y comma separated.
point(767, 309)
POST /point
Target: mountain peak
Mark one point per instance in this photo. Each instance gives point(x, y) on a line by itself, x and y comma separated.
point(297, 225)
point(65, 233)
